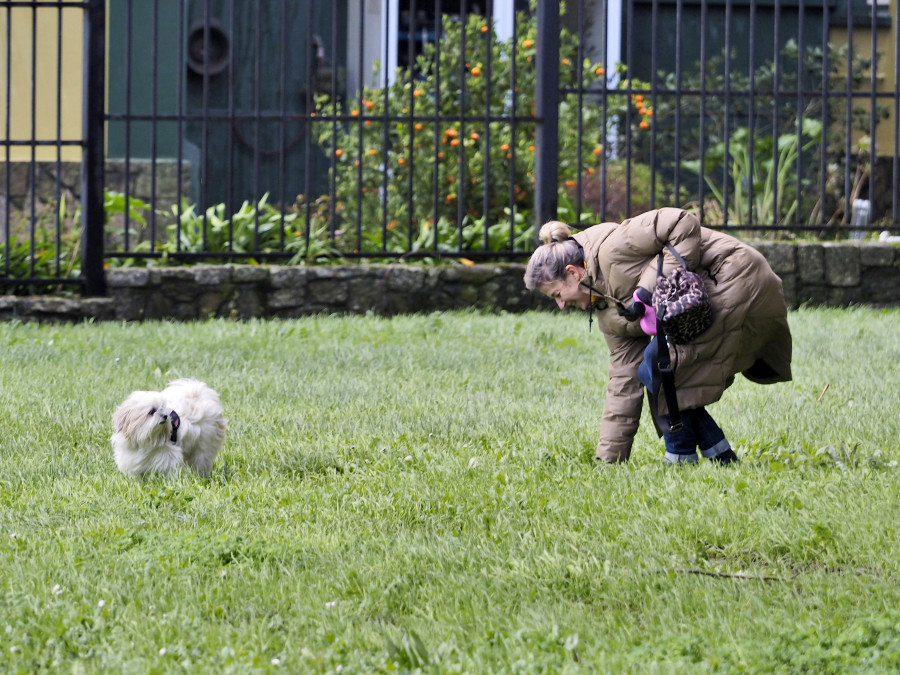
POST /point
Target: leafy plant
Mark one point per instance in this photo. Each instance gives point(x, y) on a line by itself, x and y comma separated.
point(252, 228)
point(761, 185)
point(449, 147)
point(793, 134)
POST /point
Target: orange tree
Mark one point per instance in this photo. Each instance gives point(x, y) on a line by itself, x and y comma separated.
point(443, 158)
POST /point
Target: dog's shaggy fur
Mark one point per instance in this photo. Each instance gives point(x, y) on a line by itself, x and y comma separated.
point(162, 431)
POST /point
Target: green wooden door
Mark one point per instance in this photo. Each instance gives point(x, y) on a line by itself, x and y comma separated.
point(230, 94)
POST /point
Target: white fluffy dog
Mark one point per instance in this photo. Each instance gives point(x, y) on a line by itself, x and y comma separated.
point(162, 431)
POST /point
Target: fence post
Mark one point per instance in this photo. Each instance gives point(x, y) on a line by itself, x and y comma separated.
point(92, 157)
point(546, 163)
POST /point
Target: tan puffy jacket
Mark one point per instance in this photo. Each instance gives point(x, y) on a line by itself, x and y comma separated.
point(749, 335)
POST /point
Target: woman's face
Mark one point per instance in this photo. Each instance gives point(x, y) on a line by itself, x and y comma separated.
point(566, 291)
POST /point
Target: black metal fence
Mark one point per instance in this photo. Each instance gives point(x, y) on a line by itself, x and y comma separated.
point(302, 131)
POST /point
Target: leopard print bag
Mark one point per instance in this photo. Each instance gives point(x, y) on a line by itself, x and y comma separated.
point(681, 302)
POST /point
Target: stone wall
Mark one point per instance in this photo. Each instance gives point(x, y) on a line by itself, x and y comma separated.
point(44, 183)
point(821, 274)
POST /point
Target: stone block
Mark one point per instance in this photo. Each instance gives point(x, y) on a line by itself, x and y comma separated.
point(881, 286)
point(842, 268)
point(288, 277)
point(327, 293)
point(844, 296)
point(364, 296)
point(246, 302)
point(212, 275)
point(812, 294)
point(876, 255)
point(789, 286)
point(286, 298)
point(780, 255)
point(402, 278)
point(130, 304)
point(245, 274)
point(811, 263)
point(128, 277)
point(181, 311)
point(209, 304)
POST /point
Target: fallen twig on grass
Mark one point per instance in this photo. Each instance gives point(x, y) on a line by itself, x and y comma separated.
point(728, 575)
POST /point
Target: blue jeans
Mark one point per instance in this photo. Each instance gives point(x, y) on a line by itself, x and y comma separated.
point(699, 429)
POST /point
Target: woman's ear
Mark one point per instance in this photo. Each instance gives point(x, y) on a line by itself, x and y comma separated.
point(575, 270)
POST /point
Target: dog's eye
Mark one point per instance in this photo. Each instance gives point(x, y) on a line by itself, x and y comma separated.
point(152, 412)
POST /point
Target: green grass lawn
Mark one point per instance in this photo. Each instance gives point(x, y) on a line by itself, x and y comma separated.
point(420, 493)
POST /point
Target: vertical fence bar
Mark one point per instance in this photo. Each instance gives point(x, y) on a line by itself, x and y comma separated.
point(7, 136)
point(33, 217)
point(826, 64)
point(679, 79)
point(179, 124)
point(751, 122)
point(282, 129)
point(60, 215)
point(609, 79)
point(701, 175)
point(726, 127)
point(801, 85)
point(513, 126)
point(848, 121)
point(489, 67)
point(154, 113)
point(895, 176)
point(654, 97)
point(233, 124)
point(546, 159)
point(129, 41)
point(776, 83)
point(257, 130)
point(579, 133)
point(873, 108)
point(461, 152)
point(93, 151)
point(410, 121)
point(436, 172)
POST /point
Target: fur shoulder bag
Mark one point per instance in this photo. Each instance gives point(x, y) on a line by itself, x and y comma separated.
point(680, 302)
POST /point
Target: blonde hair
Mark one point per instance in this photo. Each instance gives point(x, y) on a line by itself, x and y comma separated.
point(548, 262)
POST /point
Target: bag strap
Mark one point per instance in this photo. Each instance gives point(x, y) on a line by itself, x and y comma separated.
point(677, 257)
point(666, 375)
point(664, 362)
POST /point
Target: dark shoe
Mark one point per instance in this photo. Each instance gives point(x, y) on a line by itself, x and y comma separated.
point(727, 457)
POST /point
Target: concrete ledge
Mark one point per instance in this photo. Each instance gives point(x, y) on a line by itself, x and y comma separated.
point(835, 275)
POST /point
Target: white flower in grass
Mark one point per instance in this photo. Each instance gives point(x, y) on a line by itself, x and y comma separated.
point(330, 604)
point(101, 604)
point(276, 662)
point(57, 590)
point(162, 652)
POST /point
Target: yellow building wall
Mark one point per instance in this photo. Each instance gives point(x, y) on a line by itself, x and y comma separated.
point(884, 77)
point(31, 74)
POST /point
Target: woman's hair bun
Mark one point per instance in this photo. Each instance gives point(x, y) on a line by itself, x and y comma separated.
point(554, 231)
